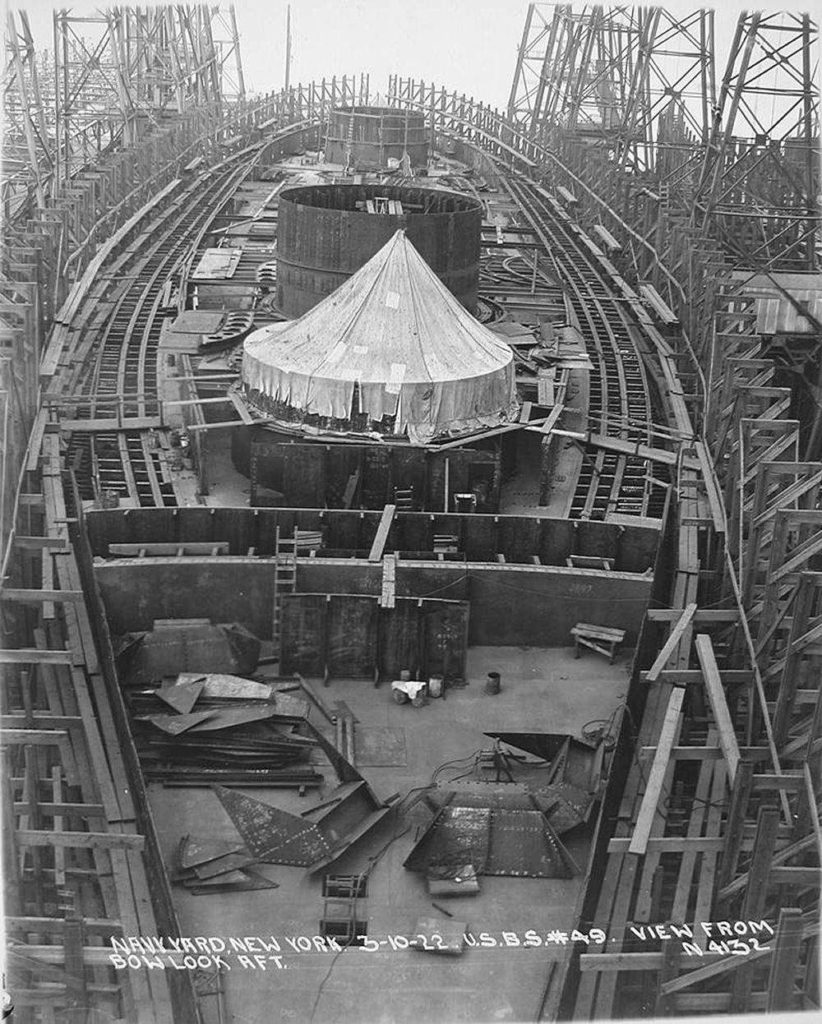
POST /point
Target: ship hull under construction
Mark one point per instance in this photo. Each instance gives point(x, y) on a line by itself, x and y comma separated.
point(347, 683)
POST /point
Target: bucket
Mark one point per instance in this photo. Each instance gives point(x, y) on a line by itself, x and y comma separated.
point(435, 686)
point(492, 684)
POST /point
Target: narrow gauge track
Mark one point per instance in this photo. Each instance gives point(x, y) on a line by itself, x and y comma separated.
point(120, 369)
point(619, 397)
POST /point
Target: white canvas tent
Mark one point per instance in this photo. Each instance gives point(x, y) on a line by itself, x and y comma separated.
point(392, 341)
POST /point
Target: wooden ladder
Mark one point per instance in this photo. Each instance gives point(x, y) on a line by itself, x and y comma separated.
point(285, 580)
point(349, 143)
point(404, 499)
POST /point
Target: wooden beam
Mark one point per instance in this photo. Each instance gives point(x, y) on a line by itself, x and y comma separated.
point(719, 705)
point(688, 676)
point(241, 407)
point(740, 882)
point(389, 580)
point(740, 792)
point(787, 947)
point(714, 498)
point(677, 631)
point(220, 425)
point(45, 925)
point(471, 438)
point(381, 536)
point(653, 789)
point(635, 961)
point(36, 543)
point(711, 970)
point(39, 737)
point(706, 753)
point(85, 840)
point(222, 399)
point(753, 905)
point(21, 595)
point(34, 656)
point(111, 425)
point(51, 809)
point(800, 876)
point(669, 844)
point(40, 720)
point(93, 956)
point(810, 796)
point(36, 440)
point(792, 781)
point(703, 616)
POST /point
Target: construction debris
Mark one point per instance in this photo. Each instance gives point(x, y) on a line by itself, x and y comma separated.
point(239, 731)
point(221, 865)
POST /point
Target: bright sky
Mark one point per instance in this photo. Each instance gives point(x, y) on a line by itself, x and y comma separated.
point(467, 45)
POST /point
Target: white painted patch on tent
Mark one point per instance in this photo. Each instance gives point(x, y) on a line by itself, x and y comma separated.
point(395, 378)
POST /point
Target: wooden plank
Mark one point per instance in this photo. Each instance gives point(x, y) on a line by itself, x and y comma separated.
point(552, 419)
point(79, 840)
point(810, 800)
point(703, 616)
point(36, 543)
point(222, 399)
point(34, 656)
point(711, 970)
point(93, 956)
point(460, 442)
point(653, 790)
point(787, 947)
point(81, 810)
point(648, 962)
point(711, 487)
point(39, 737)
point(218, 426)
point(241, 407)
point(42, 720)
point(707, 753)
point(620, 961)
point(695, 823)
point(792, 782)
point(668, 648)
point(719, 705)
point(705, 887)
point(22, 595)
point(670, 844)
point(690, 676)
point(59, 852)
point(740, 882)
point(47, 925)
point(36, 440)
point(110, 426)
point(756, 892)
point(389, 579)
point(740, 793)
point(381, 536)
point(799, 876)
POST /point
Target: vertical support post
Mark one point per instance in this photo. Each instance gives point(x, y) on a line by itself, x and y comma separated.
point(787, 946)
